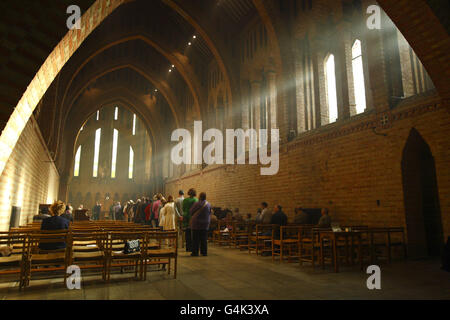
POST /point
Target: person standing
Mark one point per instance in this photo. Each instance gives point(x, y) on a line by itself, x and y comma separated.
point(118, 211)
point(148, 211)
point(179, 203)
point(167, 214)
point(156, 206)
point(96, 211)
point(135, 211)
point(200, 219)
point(187, 205)
point(140, 214)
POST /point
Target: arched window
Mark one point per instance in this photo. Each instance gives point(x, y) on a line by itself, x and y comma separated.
point(330, 74)
point(358, 77)
point(98, 133)
point(98, 115)
point(116, 113)
point(76, 167)
point(134, 124)
point(114, 153)
point(131, 164)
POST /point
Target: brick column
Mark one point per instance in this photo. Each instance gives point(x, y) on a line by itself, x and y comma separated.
point(299, 92)
point(377, 64)
point(343, 71)
point(272, 86)
point(256, 104)
point(319, 83)
point(245, 103)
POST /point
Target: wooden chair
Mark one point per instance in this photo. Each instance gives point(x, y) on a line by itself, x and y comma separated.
point(115, 245)
point(258, 238)
point(309, 248)
point(385, 239)
point(36, 257)
point(13, 260)
point(161, 245)
point(90, 248)
point(287, 246)
point(219, 236)
point(396, 238)
point(239, 234)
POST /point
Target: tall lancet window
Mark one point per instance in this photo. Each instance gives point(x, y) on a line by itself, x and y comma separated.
point(330, 73)
point(358, 77)
point(116, 113)
point(98, 133)
point(76, 167)
point(98, 115)
point(134, 124)
point(131, 164)
point(114, 153)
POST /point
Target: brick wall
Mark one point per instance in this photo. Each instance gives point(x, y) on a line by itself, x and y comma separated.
point(29, 178)
point(343, 166)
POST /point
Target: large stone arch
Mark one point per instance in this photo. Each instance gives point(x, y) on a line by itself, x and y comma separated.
point(90, 20)
point(426, 35)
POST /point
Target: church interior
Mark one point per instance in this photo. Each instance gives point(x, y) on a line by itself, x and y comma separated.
point(353, 98)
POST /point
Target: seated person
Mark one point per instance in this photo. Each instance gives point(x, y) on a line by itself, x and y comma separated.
point(213, 221)
point(301, 217)
point(43, 214)
point(229, 221)
point(248, 218)
point(279, 218)
point(55, 223)
point(266, 215)
point(237, 215)
point(68, 213)
point(325, 220)
point(258, 216)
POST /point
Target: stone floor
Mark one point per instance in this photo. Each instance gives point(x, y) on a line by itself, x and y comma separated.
point(232, 274)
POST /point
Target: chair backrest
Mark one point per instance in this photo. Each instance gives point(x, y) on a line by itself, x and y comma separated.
point(57, 237)
point(355, 228)
point(114, 236)
point(239, 227)
point(99, 237)
point(290, 232)
point(163, 238)
point(9, 239)
point(316, 233)
point(265, 228)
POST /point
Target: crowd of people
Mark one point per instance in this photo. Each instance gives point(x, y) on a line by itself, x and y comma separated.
point(194, 216)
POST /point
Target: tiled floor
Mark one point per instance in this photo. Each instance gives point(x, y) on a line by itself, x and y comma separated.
point(232, 274)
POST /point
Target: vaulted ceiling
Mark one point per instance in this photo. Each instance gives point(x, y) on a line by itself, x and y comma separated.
point(155, 53)
point(131, 52)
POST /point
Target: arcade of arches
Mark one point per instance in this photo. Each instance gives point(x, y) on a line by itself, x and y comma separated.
point(363, 114)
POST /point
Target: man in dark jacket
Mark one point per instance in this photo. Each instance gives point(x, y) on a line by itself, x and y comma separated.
point(279, 218)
